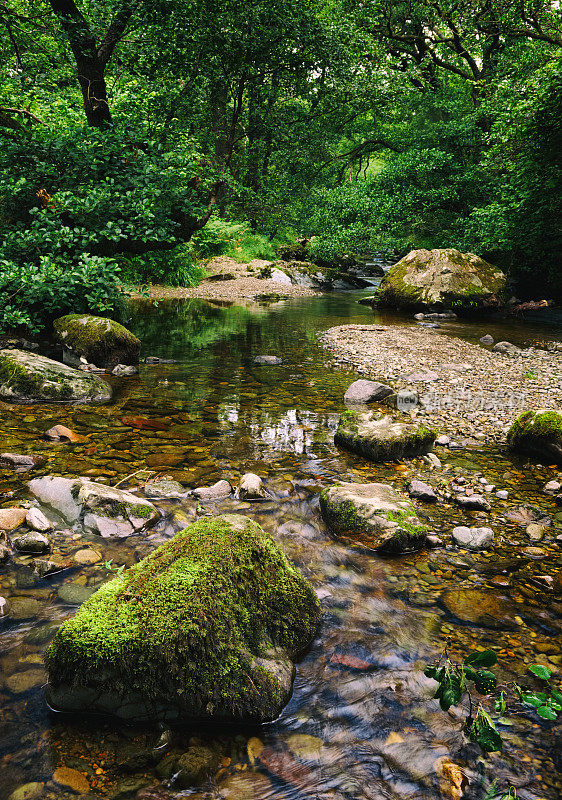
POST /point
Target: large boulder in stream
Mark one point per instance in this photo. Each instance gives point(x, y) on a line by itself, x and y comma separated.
point(30, 378)
point(205, 627)
point(441, 279)
point(96, 340)
point(104, 510)
point(374, 515)
point(379, 437)
point(539, 434)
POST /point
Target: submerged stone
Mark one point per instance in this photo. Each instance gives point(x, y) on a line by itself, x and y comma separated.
point(440, 278)
point(207, 626)
point(251, 487)
point(96, 340)
point(373, 514)
point(481, 608)
point(539, 434)
point(379, 437)
point(30, 378)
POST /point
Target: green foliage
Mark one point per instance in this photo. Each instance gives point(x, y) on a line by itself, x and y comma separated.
point(548, 704)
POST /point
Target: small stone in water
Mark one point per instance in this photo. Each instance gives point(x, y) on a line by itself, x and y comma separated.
point(32, 542)
point(473, 502)
point(28, 791)
point(124, 371)
point(268, 360)
point(473, 538)
point(251, 487)
point(11, 518)
point(503, 494)
point(72, 779)
point(487, 339)
point(22, 682)
point(422, 491)
point(442, 440)
point(433, 540)
point(86, 556)
point(432, 459)
point(24, 608)
point(535, 531)
point(37, 520)
point(553, 486)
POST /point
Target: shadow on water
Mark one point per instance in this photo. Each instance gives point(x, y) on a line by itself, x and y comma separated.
point(362, 722)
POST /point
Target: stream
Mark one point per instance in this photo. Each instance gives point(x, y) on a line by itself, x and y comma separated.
point(362, 723)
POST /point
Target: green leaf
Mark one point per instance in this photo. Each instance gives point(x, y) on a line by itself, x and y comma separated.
point(557, 696)
point(481, 658)
point(532, 700)
point(546, 712)
point(541, 672)
point(430, 672)
point(485, 681)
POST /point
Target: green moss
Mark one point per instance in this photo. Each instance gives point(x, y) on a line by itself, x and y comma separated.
point(189, 619)
point(99, 340)
point(356, 436)
point(538, 433)
point(18, 378)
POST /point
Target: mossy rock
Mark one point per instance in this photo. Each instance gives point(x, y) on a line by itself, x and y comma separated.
point(539, 434)
point(29, 378)
point(374, 515)
point(96, 340)
point(442, 279)
point(378, 437)
point(207, 626)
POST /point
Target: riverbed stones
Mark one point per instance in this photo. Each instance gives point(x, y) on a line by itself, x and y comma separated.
point(218, 616)
point(487, 339)
point(378, 437)
point(11, 518)
point(30, 378)
point(472, 502)
point(363, 391)
point(31, 542)
point(251, 487)
point(37, 520)
point(20, 462)
point(102, 509)
point(27, 791)
point(374, 514)
point(96, 340)
point(195, 766)
point(218, 491)
point(22, 682)
point(422, 491)
point(473, 538)
point(481, 608)
point(538, 434)
point(440, 278)
point(164, 488)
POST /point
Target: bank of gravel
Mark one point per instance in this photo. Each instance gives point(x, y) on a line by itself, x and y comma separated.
point(465, 390)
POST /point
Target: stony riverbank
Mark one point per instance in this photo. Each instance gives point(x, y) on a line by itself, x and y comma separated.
point(467, 391)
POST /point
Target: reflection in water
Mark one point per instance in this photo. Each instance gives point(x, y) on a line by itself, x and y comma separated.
point(361, 723)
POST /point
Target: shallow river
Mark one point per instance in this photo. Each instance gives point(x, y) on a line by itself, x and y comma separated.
point(362, 722)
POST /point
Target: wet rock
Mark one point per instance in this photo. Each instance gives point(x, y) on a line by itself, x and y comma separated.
point(268, 360)
point(363, 391)
point(535, 531)
point(506, 348)
point(22, 608)
point(552, 487)
point(22, 682)
point(442, 440)
point(233, 613)
point(124, 371)
point(71, 779)
point(28, 791)
point(472, 502)
point(481, 608)
point(473, 538)
point(378, 437)
point(20, 463)
point(487, 339)
point(164, 487)
point(108, 528)
point(30, 378)
point(502, 494)
point(305, 747)
point(433, 541)
point(86, 556)
point(96, 340)
point(539, 434)
point(57, 493)
point(74, 594)
point(251, 487)
point(38, 521)
point(217, 491)
point(12, 518)
point(432, 459)
point(195, 766)
point(4, 553)
point(32, 542)
point(422, 491)
point(60, 432)
point(441, 277)
point(44, 566)
point(246, 786)
point(374, 514)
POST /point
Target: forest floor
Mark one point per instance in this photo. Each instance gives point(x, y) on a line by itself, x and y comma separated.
point(465, 389)
point(228, 280)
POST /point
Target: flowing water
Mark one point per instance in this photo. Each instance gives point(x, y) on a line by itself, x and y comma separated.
point(362, 722)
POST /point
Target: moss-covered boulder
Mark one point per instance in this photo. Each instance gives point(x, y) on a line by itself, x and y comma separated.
point(374, 515)
point(441, 279)
point(207, 626)
point(538, 434)
point(29, 378)
point(96, 340)
point(379, 437)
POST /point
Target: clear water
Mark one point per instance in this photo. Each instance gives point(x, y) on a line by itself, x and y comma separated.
point(362, 722)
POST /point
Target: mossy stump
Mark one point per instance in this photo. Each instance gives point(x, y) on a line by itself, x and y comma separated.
point(207, 626)
point(378, 437)
point(538, 434)
point(373, 515)
point(96, 340)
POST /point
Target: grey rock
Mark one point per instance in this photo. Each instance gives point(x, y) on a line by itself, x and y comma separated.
point(487, 339)
point(20, 462)
point(502, 494)
point(553, 486)
point(406, 400)
point(218, 491)
point(429, 324)
point(433, 541)
point(473, 538)
point(124, 370)
point(108, 528)
point(506, 348)
point(422, 491)
point(251, 487)
point(32, 542)
point(473, 502)
point(33, 378)
point(432, 459)
point(22, 608)
point(535, 532)
point(22, 682)
point(272, 360)
point(37, 520)
point(363, 391)
point(442, 440)
point(378, 437)
point(164, 487)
